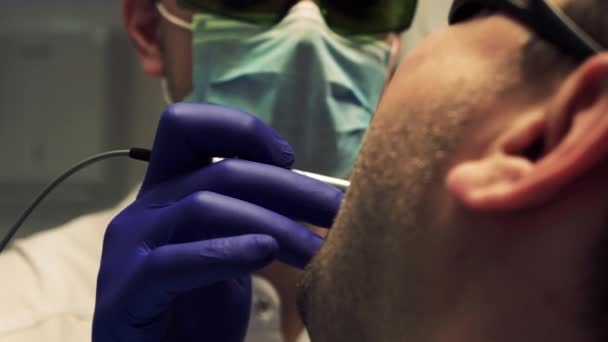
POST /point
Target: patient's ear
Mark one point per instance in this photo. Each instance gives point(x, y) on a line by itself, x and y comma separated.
point(543, 152)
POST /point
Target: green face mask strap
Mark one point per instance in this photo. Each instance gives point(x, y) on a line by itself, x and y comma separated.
point(173, 19)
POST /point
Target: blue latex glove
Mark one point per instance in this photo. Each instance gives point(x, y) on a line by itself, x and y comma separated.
point(176, 263)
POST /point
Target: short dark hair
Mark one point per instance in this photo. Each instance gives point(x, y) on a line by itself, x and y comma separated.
point(590, 15)
point(543, 62)
point(595, 286)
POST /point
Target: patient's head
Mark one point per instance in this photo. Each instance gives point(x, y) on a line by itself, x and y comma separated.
point(479, 204)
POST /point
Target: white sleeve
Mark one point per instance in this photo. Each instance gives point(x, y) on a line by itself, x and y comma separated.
point(47, 291)
point(265, 320)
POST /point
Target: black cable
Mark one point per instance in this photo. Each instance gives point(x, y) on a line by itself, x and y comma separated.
point(134, 153)
point(141, 154)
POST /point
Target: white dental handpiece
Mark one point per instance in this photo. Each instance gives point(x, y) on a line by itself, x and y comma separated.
point(335, 182)
point(136, 153)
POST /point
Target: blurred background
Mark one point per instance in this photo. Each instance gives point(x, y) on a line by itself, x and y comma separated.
point(71, 87)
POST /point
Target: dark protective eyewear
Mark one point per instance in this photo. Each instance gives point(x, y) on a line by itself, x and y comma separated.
point(346, 17)
point(545, 19)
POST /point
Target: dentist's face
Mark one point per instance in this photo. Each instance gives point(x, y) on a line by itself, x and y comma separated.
point(176, 48)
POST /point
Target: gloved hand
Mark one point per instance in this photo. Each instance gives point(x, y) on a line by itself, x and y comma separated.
point(176, 263)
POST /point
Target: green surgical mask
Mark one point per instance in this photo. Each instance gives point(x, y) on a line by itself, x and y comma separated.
point(319, 90)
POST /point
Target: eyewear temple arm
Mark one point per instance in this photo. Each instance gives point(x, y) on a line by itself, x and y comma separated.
point(552, 24)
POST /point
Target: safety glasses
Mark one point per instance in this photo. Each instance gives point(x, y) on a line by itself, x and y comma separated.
point(544, 18)
point(345, 17)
